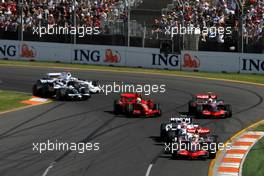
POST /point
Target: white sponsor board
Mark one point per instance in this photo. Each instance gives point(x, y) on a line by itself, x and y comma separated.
point(9, 49)
point(251, 63)
point(222, 62)
point(152, 58)
point(210, 61)
point(132, 57)
point(34, 51)
point(99, 55)
point(88, 54)
point(124, 56)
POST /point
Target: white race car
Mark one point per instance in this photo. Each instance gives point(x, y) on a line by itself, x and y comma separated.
point(181, 125)
point(64, 86)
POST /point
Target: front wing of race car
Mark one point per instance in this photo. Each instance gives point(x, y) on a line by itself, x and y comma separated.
point(192, 154)
point(219, 114)
point(148, 113)
point(93, 88)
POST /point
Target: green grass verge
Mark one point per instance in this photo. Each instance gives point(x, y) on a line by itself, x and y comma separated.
point(253, 165)
point(259, 128)
point(253, 78)
point(10, 100)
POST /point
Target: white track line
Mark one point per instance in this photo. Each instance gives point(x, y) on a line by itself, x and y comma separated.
point(149, 169)
point(234, 156)
point(227, 174)
point(246, 140)
point(236, 165)
point(256, 133)
point(47, 170)
point(237, 147)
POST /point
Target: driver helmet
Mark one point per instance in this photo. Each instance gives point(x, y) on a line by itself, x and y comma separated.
point(179, 127)
point(138, 100)
point(196, 135)
point(190, 136)
point(183, 131)
point(68, 75)
point(189, 126)
point(210, 100)
point(196, 132)
point(184, 125)
point(138, 95)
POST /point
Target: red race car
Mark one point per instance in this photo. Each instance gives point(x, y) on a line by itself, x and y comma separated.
point(208, 105)
point(195, 147)
point(132, 104)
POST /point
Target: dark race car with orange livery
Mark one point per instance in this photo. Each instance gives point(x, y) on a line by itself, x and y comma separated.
point(133, 105)
point(208, 105)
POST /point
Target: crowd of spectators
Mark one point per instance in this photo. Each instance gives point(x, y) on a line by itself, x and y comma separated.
point(89, 13)
point(103, 13)
point(216, 13)
point(254, 20)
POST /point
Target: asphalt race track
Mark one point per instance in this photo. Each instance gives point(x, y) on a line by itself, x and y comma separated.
point(127, 146)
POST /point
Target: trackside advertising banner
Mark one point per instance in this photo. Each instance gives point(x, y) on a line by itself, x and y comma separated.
point(210, 61)
point(152, 58)
point(88, 54)
point(252, 63)
point(124, 56)
point(34, 51)
point(132, 57)
point(222, 62)
point(98, 55)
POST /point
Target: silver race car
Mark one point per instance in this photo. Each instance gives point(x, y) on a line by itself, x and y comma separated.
point(63, 86)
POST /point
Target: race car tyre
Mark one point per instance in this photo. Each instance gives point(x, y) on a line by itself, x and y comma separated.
point(129, 110)
point(204, 158)
point(157, 107)
point(228, 108)
point(35, 90)
point(191, 109)
point(116, 107)
point(95, 83)
point(44, 91)
point(61, 94)
point(163, 132)
point(199, 108)
point(212, 155)
point(85, 91)
point(199, 111)
point(170, 136)
point(175, 155)
point(215, 138)
point(85, 97)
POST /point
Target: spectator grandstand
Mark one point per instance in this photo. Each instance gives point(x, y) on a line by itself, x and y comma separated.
point(18, 18)
point(215, 13)
point(90, 13)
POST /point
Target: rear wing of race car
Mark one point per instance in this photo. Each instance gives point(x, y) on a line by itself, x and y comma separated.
point(65, 75)
point(53, 75)
point(206, 96)
point(187, 120)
